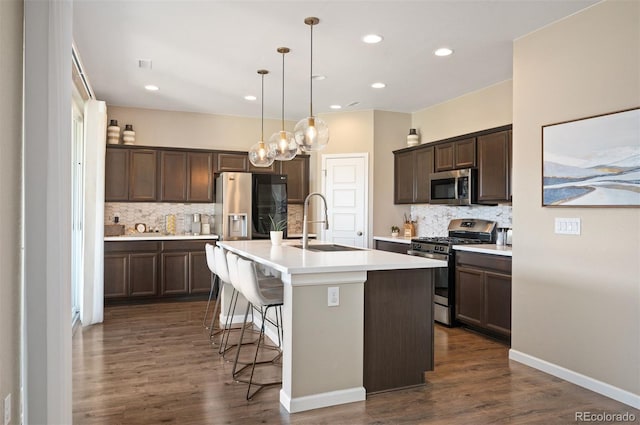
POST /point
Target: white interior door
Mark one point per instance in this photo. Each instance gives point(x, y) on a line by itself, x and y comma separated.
point(345, 179)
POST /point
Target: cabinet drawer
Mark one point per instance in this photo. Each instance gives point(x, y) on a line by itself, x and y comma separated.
point(400, 248)
point(197, 245)
point(129, 246)
point(484, 261)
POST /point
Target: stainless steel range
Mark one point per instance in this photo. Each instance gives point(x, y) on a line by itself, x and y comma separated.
point(461, 232)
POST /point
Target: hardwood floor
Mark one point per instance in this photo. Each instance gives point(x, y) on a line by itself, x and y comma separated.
point(152, 364)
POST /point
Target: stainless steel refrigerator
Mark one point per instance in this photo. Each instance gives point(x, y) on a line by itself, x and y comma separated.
point(245, 204)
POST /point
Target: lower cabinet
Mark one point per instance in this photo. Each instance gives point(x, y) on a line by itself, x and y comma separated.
point(483, 292)
point(154, 270)
point(399, 247)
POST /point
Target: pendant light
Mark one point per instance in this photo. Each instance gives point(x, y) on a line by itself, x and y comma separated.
point(283, 141)
point(261, 154)
point(311, 133)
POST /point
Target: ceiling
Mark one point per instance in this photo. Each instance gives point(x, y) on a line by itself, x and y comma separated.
point(205, 53)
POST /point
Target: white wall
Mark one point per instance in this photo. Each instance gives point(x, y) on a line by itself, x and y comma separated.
point(11, 16)
point(576, 299)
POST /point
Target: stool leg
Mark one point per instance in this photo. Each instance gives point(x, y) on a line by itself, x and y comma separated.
point(206, 311)
point(227, 326)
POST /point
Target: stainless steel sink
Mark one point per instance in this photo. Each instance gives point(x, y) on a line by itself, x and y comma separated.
point(330, 248)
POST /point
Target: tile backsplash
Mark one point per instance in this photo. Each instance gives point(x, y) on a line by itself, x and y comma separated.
point(433, 220)
point(153, 215)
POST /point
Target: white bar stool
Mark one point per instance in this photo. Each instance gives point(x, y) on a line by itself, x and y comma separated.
point(215, 288)
point(264, 298)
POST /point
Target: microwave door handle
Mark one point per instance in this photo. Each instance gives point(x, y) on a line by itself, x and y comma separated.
point(455, 189)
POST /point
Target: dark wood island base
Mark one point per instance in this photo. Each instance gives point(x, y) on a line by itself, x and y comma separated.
point(398, 328)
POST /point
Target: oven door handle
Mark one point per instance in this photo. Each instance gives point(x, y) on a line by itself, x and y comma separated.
point(433, 256)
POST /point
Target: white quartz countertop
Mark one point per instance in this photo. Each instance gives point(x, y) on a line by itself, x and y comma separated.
point(289, 259)
point(398, 239)
point(157, 237)
point(503, 250)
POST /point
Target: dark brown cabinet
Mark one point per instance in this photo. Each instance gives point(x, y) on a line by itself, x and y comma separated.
point(494, 167)
point(116, 167)
point(411, 181)
point(399, 247)
point(173, 176)
point(142, 175)
point(232, 161)
point(154, 270)
point(186, 176)
point(297, 171)
point(455, 155)
point(272, 169)
point(130, 270)
point(483, 292)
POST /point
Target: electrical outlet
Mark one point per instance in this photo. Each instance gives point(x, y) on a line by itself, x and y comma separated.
point(333, 296)
point(7, 409)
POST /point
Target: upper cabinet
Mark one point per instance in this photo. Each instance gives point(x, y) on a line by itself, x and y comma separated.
point(494, 167)
point(232, 161)
point(455, 155)
point(186, 176)
point(412, 169)
point(297, 171)
point(492, 148)
point(116, 187)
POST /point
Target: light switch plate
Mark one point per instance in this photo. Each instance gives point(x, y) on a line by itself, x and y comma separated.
point(567, 226)
point(333, 296)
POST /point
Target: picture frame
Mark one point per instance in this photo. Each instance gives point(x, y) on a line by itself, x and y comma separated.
point(592, 161)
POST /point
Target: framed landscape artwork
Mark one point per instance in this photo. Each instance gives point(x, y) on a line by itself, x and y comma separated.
point(592, 162)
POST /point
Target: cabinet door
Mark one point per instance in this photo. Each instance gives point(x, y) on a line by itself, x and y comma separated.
point(403, 191)
point(497, 304)
point(469, 296)
point(424, 167)
point(272, 169)
point(116, 276)
point(199, 273)
point(232, 162)
point(173, 174)
point(297, 172)
point(143, 279)
point(465, 153)
point(174, 274)
point(444, 157)
point(494, 167)
point(116, 172)
point(142, 177)
point(200, 177)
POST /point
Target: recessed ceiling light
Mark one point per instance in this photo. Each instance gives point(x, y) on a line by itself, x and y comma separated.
point(319, 77)
point(443, 51)
point(335, 107)
point(372, 38)
point(250, 97)
point(378, 85)
point(151, 87)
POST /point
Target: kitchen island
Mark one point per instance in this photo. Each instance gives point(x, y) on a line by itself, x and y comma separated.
point(379, 337)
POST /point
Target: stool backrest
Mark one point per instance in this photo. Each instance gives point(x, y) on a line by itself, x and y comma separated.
point(211, 258)
point(232, 264)
point(250, 290)
point(221, 264)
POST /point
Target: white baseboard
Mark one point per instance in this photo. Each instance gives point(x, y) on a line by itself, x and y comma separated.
point(579, 379)
point(317, 401)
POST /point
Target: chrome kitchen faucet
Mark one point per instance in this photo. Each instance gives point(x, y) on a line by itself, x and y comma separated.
point(305, 226)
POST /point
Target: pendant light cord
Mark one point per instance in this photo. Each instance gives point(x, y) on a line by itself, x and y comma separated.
point(311, 76)
point(283, 53)
point(262, 112)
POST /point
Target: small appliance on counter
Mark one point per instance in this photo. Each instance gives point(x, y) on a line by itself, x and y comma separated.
point(196, 225)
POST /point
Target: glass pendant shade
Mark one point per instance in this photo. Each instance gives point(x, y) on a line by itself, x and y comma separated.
point(312, 134)
point(262, 154)
point(284, 145)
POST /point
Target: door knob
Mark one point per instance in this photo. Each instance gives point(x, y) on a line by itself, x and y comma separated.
point(359, 233)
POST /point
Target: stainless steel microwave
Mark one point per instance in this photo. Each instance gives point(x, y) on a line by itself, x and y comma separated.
point(456, 187)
